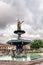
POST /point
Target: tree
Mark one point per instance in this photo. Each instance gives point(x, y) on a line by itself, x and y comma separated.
point(42, 44)
point(36, 44)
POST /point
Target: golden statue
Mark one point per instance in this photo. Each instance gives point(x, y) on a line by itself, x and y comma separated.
point(19, 25)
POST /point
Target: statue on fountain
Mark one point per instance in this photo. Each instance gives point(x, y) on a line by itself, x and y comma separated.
point(19, 25)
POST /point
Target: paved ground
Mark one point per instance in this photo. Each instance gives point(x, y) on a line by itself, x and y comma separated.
point(33, 62)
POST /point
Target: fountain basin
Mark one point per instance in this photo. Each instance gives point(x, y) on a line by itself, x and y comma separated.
point(25, 58)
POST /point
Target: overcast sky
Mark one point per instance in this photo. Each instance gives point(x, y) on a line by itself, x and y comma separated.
point(30, 11)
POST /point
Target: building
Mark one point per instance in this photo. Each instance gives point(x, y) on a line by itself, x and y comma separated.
point(6, 47)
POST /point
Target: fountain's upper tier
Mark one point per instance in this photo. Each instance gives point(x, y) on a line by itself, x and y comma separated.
point(19, 31)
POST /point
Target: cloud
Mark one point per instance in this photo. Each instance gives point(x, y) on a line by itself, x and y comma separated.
point(9, 12)
point(6, 14)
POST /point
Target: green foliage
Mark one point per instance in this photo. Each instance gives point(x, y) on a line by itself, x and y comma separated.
point(42, 44)
point(36, 44)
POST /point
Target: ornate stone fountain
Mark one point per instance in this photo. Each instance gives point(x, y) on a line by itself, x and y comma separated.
point(19, 43)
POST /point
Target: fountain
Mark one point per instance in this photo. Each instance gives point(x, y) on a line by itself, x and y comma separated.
point(18, 54)
point(19, 43)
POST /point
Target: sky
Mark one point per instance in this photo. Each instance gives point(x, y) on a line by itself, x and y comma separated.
point(29, 11)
